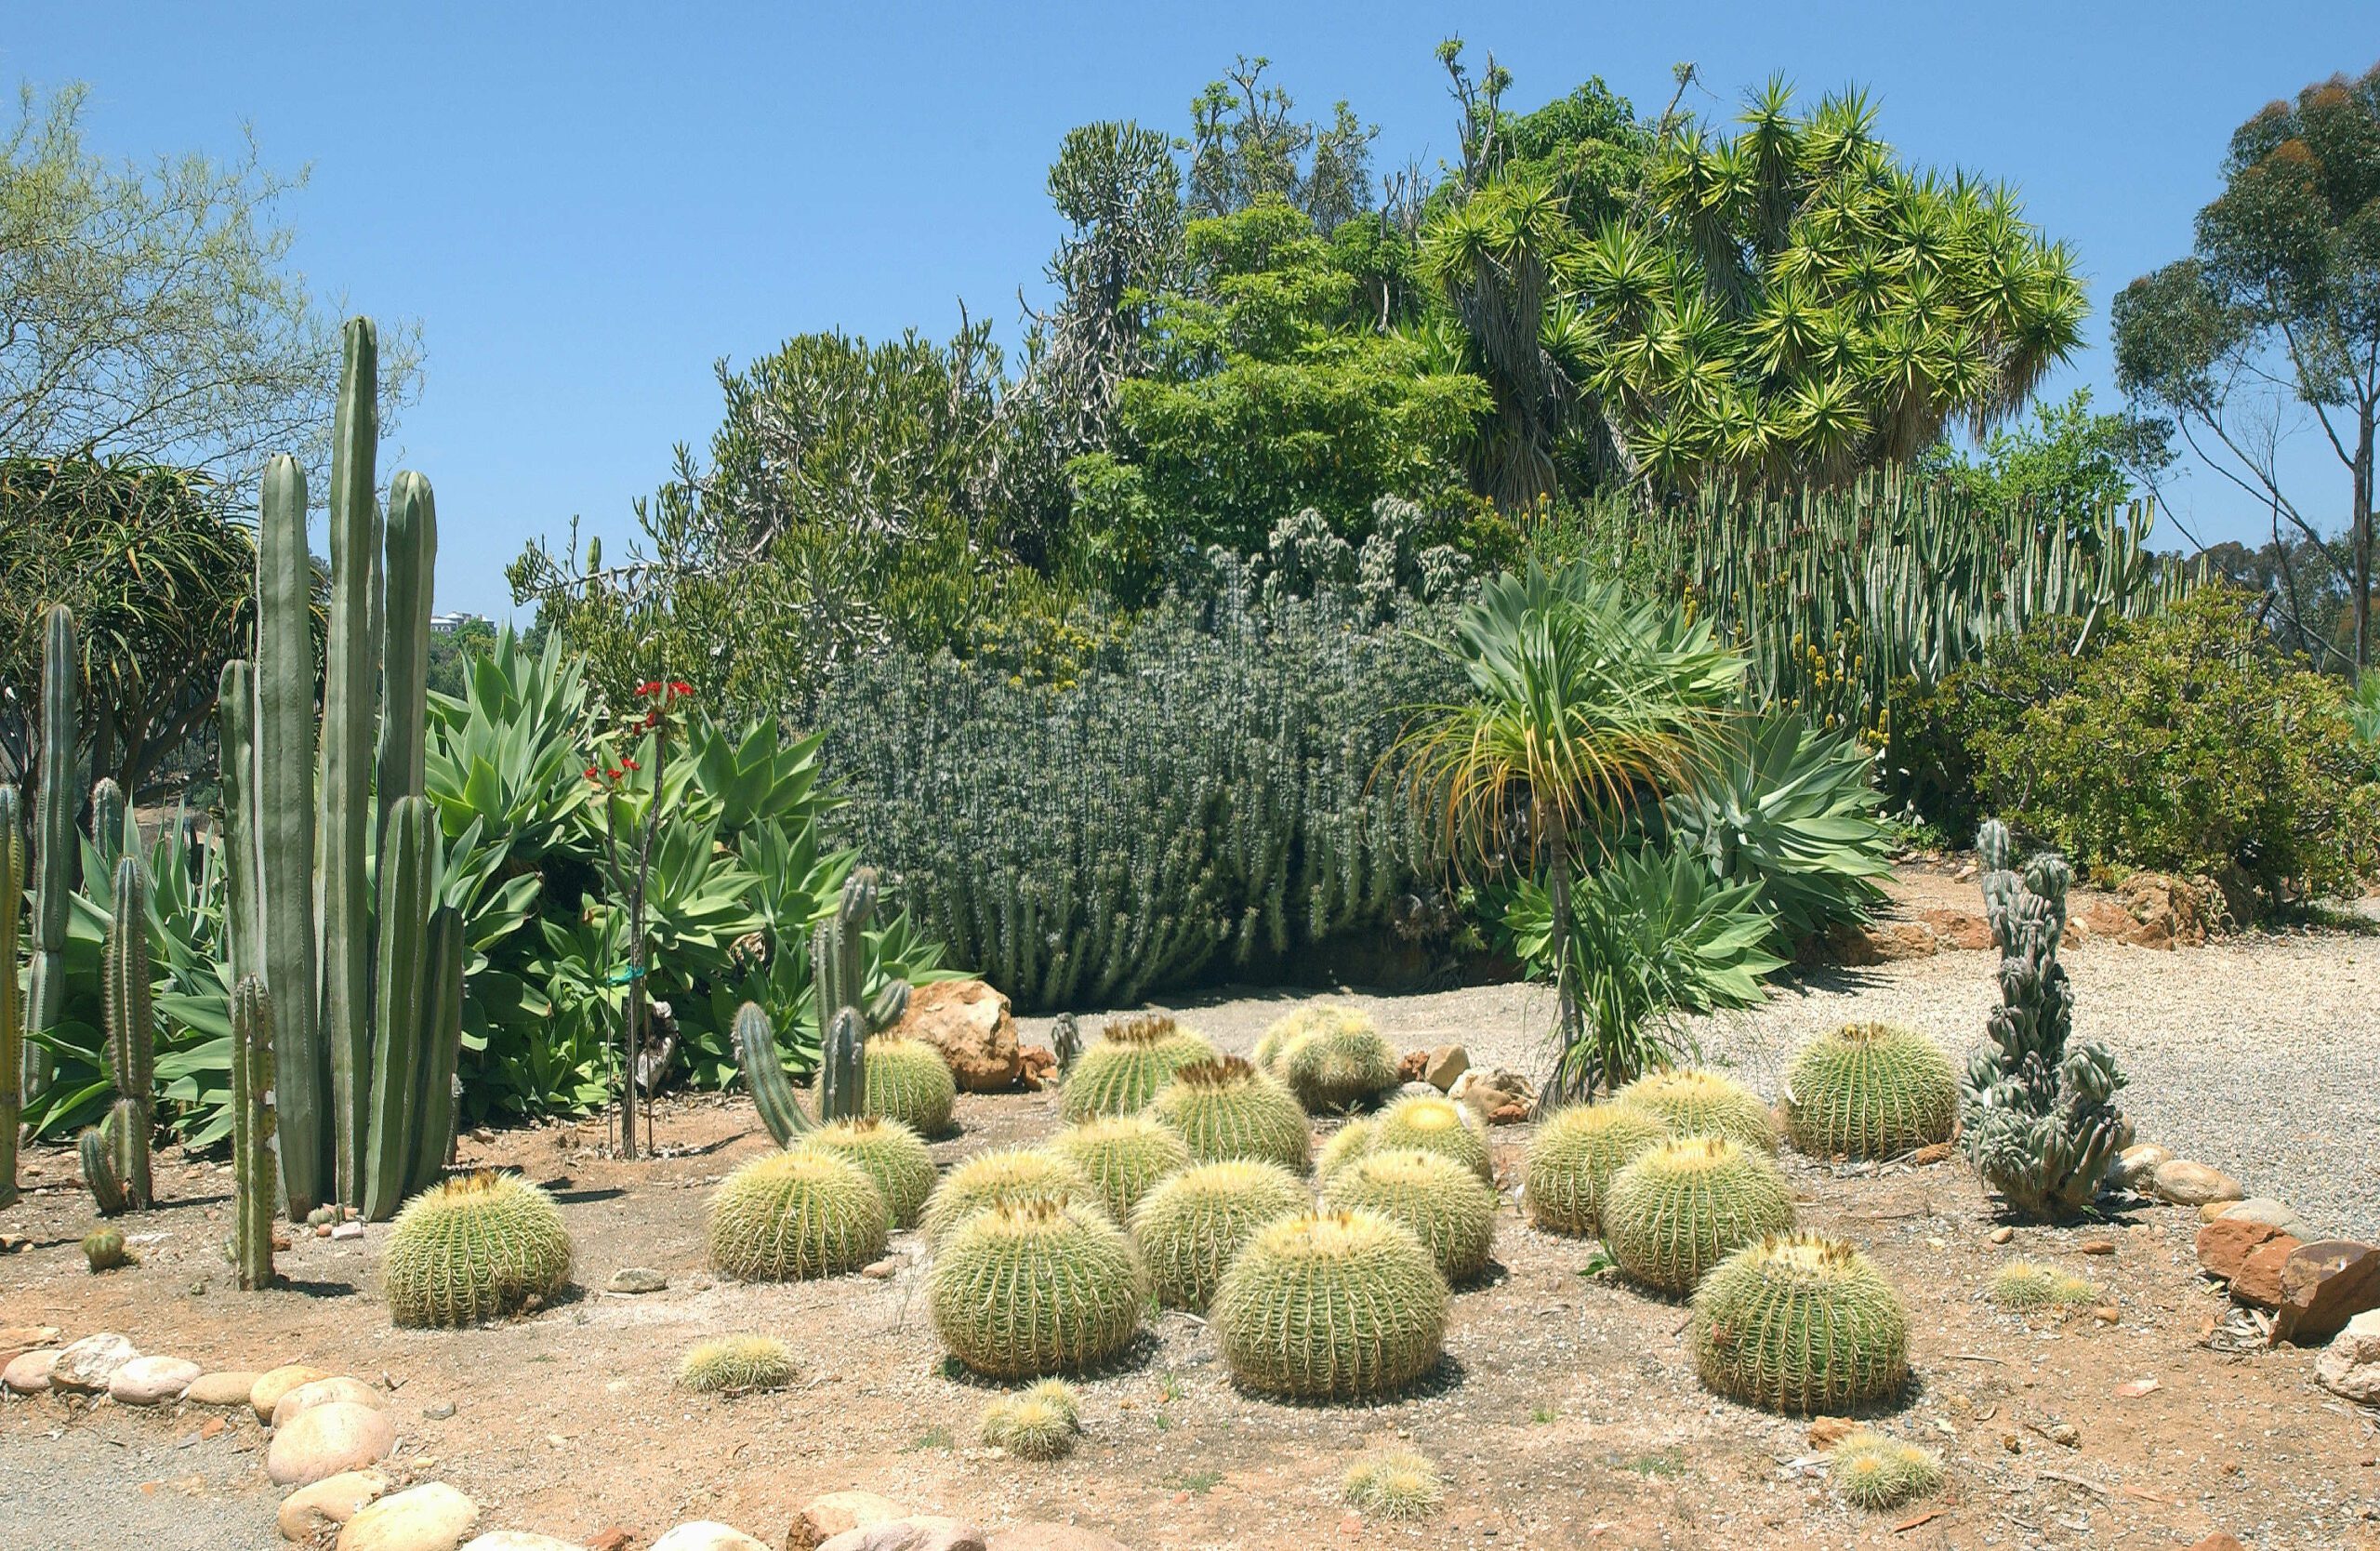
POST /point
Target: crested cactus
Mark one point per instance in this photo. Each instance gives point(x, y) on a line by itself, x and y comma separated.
point(1004, 1177)
point(1035, 1286)
point(1190, 1226)
point(791, 1216)
point(1871, 1091)
point(1573, 1158)
point(2038, 1110)
point(1331, 1057)
point(480, 1247)
point(1799, 1322)
point(737, 1365)
point(12, 1032)
point(53, 847)
point(255, 1185)
point(908, 1080)
point(1696, 1103)
point(1330, 1306)
point(132, 1031)
point(892, 1156)
point(1132, 1059)
point(1433, 1196)
point(1688, 1203)
point(1227, 1108)
point(1124, 1156)
point(1434, 1124)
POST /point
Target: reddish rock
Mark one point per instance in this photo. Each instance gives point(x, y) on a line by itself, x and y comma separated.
point(1038, 1065)
point(1931, 1153)
point(2323, 1285)
point(2259, 1278)
point(1963, 930)
point(1411, 1065)
point(1882, 942)
point(969, 1022)
point(2225, 1244)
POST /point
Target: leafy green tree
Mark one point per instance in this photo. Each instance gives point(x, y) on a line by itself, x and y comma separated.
point(2277, 311)
point(2068, 465)
point(149, 312)
point(1246, 145)
point(451, 653)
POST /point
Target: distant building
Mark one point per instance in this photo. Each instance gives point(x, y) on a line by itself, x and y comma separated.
point(446, 624)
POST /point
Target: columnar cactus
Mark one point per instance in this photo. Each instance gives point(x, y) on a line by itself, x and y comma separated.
point(1573, 1158)
point(1003, 1178)
point(1696, 1103)
point(1124, 1156)
point(53, 847)
point(12, 1032)
point(1227, 1108)
point(1434, 1198)
point(235, 702)
point(255, 1185)
point(109, 816)
point(890, 1154)
point(1800, 1324)
point(791, 1217)
point(1687, 1204)
point(765, 1078)
point(1330, 1306)
point(1871, 1091)
point(1190, 1226)
point(476, 1248)
point(1331, 1057)
point(132, 1031)
point(908, 1080)
point(95, 1148)
point(2040, 1121)
point(418, 1017)
point(1434, 1124)
point(1132, 1059)
point(1035, 1286)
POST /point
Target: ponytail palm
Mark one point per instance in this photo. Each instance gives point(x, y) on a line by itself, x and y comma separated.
point(1582, 705)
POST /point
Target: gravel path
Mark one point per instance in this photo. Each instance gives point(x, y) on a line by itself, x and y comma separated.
point(2259, 1053)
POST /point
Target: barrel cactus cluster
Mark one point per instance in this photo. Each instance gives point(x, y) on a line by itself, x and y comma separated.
point(479, 1247)
point(1190, 1226)
point(1433, 1124)
point(1876, 1472)
point(1573, 1157)
point(1687, 1204)
point(2022, 1286)
point(1227, 1108)
point(893, 1156)
point(1330, 1306)
point(1344, 1146)
point(1007, 1176)
point(1041, 1422)
point(1695, 1103)
point(1331, 1057)
point(737, 1364)
point(1800, 1324)
point(1035, 1286)
point(1132, 1059)
point(1124, 1156)
point(794, 1215)
point(908, 1080)
point(1434, 1198)
point(1871, 1091)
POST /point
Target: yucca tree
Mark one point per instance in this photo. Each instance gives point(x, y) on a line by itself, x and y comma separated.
point(1582, 705)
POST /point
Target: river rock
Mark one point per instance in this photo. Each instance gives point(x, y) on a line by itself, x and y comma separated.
point(430, 1518)
point(969, 1023)
point(322, 1392)
point(310, 1512)
point(87, 1365)
point(918, 1532)
point(2135, 1164)
point(272, 1384)
point(2259, 1209)
point(1052, 1537)
point(2350, 1366)
point(822, 1518)
point(706, 1534)
point(228, 1387)
point(2186, 1183)
point(28, 1372)
point(636, 1280)
point(2323, 1285)
point(327, 1440)
point(150, 1381)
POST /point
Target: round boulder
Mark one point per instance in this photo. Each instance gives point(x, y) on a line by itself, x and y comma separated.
point(519, 1540)
point(274, 1383)
point(822, 1518)
point(150, 1381)
point(229, 1388)
point(322, 1392)
point(2186, 1183)
point(706, 1534)
point(969, 1022)
point(430, 1518)
point(28, 1372)
point(327, 1440)
point(313, 1511)
point(86, 1365)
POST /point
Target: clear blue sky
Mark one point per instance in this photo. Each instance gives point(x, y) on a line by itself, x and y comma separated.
point(586, 205)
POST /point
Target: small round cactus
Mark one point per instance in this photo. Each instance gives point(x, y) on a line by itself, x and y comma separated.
point(475, 1248)
point(103, 1248)
point(1039, 1286)
point(1799, 1322)
point(1434, 1124)
point(1695, 1103)
point(908, 1080)
point(1870, 1090)
point(1003, 1178)
point(1134, 1058)
point(1346, 1144)
point(1227, 1108)
point(2023, 1285)
point(1123, 1155)
point(1331, 1057)
point(794, 1215)
point(1572, 1161)
point(1330, 1306)
point(1396, 1485)
point(1687, 1204)
point(1190, 1226)
point(1876, 1472)
point(892, 1155)
point(1435, 1199)
point(1039, 1423)
point(734, 1364)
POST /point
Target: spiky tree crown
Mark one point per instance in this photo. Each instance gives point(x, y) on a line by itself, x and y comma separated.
point(1035, 1286)
point(1686, 1204)
point(1435, 1198)
point(1434, 1124)
point(1696, 1103)
point(1574, 1157)
point(1001, 1178)
point(1123, 1155)
point(1871, 1091)
point(889, 1153)
point(1190, 1226)
point(1227, 1108)
point(794, 1215)
point(1330, 1306)
point(474, 1248)
point(1800, 1322)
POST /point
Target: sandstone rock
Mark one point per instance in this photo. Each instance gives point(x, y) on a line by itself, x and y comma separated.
point(2259, 1278)
point(87, 1365)
point(310, 1512)
point(1411, 1065)
point(1040, 1067)
point(274, 1383)
point(2323, 1285)
point(2224, 1245)
point(2350, 1366)
point(1966, 931)
point(1828, 1431)
point(519, 1540)
point(1928, 1155)
point(919, 1533)
point(1052, 1537)
point(637, 1278)
point(16, 1340)
point(228, 1387)
point(322, 1392)
point(1486, 1092)
point(822, 1518)
point(28, 1372)
point(969, 1022)
point(705, 1534)
point(150, 1381)
point(325, 1440)
point(430, 1518)
point(1446, 1064)
point(2259, 1209)
point(1881, 942)
point(2135, 1164)
point(2169, 912)
point(2188, 1184)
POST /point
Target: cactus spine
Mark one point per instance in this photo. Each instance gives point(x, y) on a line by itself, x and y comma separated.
point(132, 1031)
point(12, 1034)
point(254, 1185)
point(54, 845)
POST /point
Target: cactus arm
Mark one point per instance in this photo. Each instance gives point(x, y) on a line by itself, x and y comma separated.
point(285, 831)
point(12, 1070)
point(842, 1075)
point(97, 1147)
point(404, 671)
point(756, 1048)
point(253, 1181)
point(350, 690)
point(408, 876)
point(235, 707)
point(54, 846)
point(132, 1028)
point(434, 1127)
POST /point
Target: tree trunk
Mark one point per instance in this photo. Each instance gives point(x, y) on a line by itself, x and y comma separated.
point(2363, 530)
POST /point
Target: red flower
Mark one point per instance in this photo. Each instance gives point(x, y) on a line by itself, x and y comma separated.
point(649, 686)
point(630, 765)
point(593, 774)
point(652, 720)
point(614, 774)
point(679, 686)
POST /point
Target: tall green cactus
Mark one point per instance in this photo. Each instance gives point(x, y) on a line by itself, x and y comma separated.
point(96, 1149)
point(417, 1015)
point(254, 1187)
point(109, 816)
point(12, 1032)
point(2039, 1118)
point(132, 1030)
point(54, 845)
point(838, 980)
point(235, 734)
point(765, 1078)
